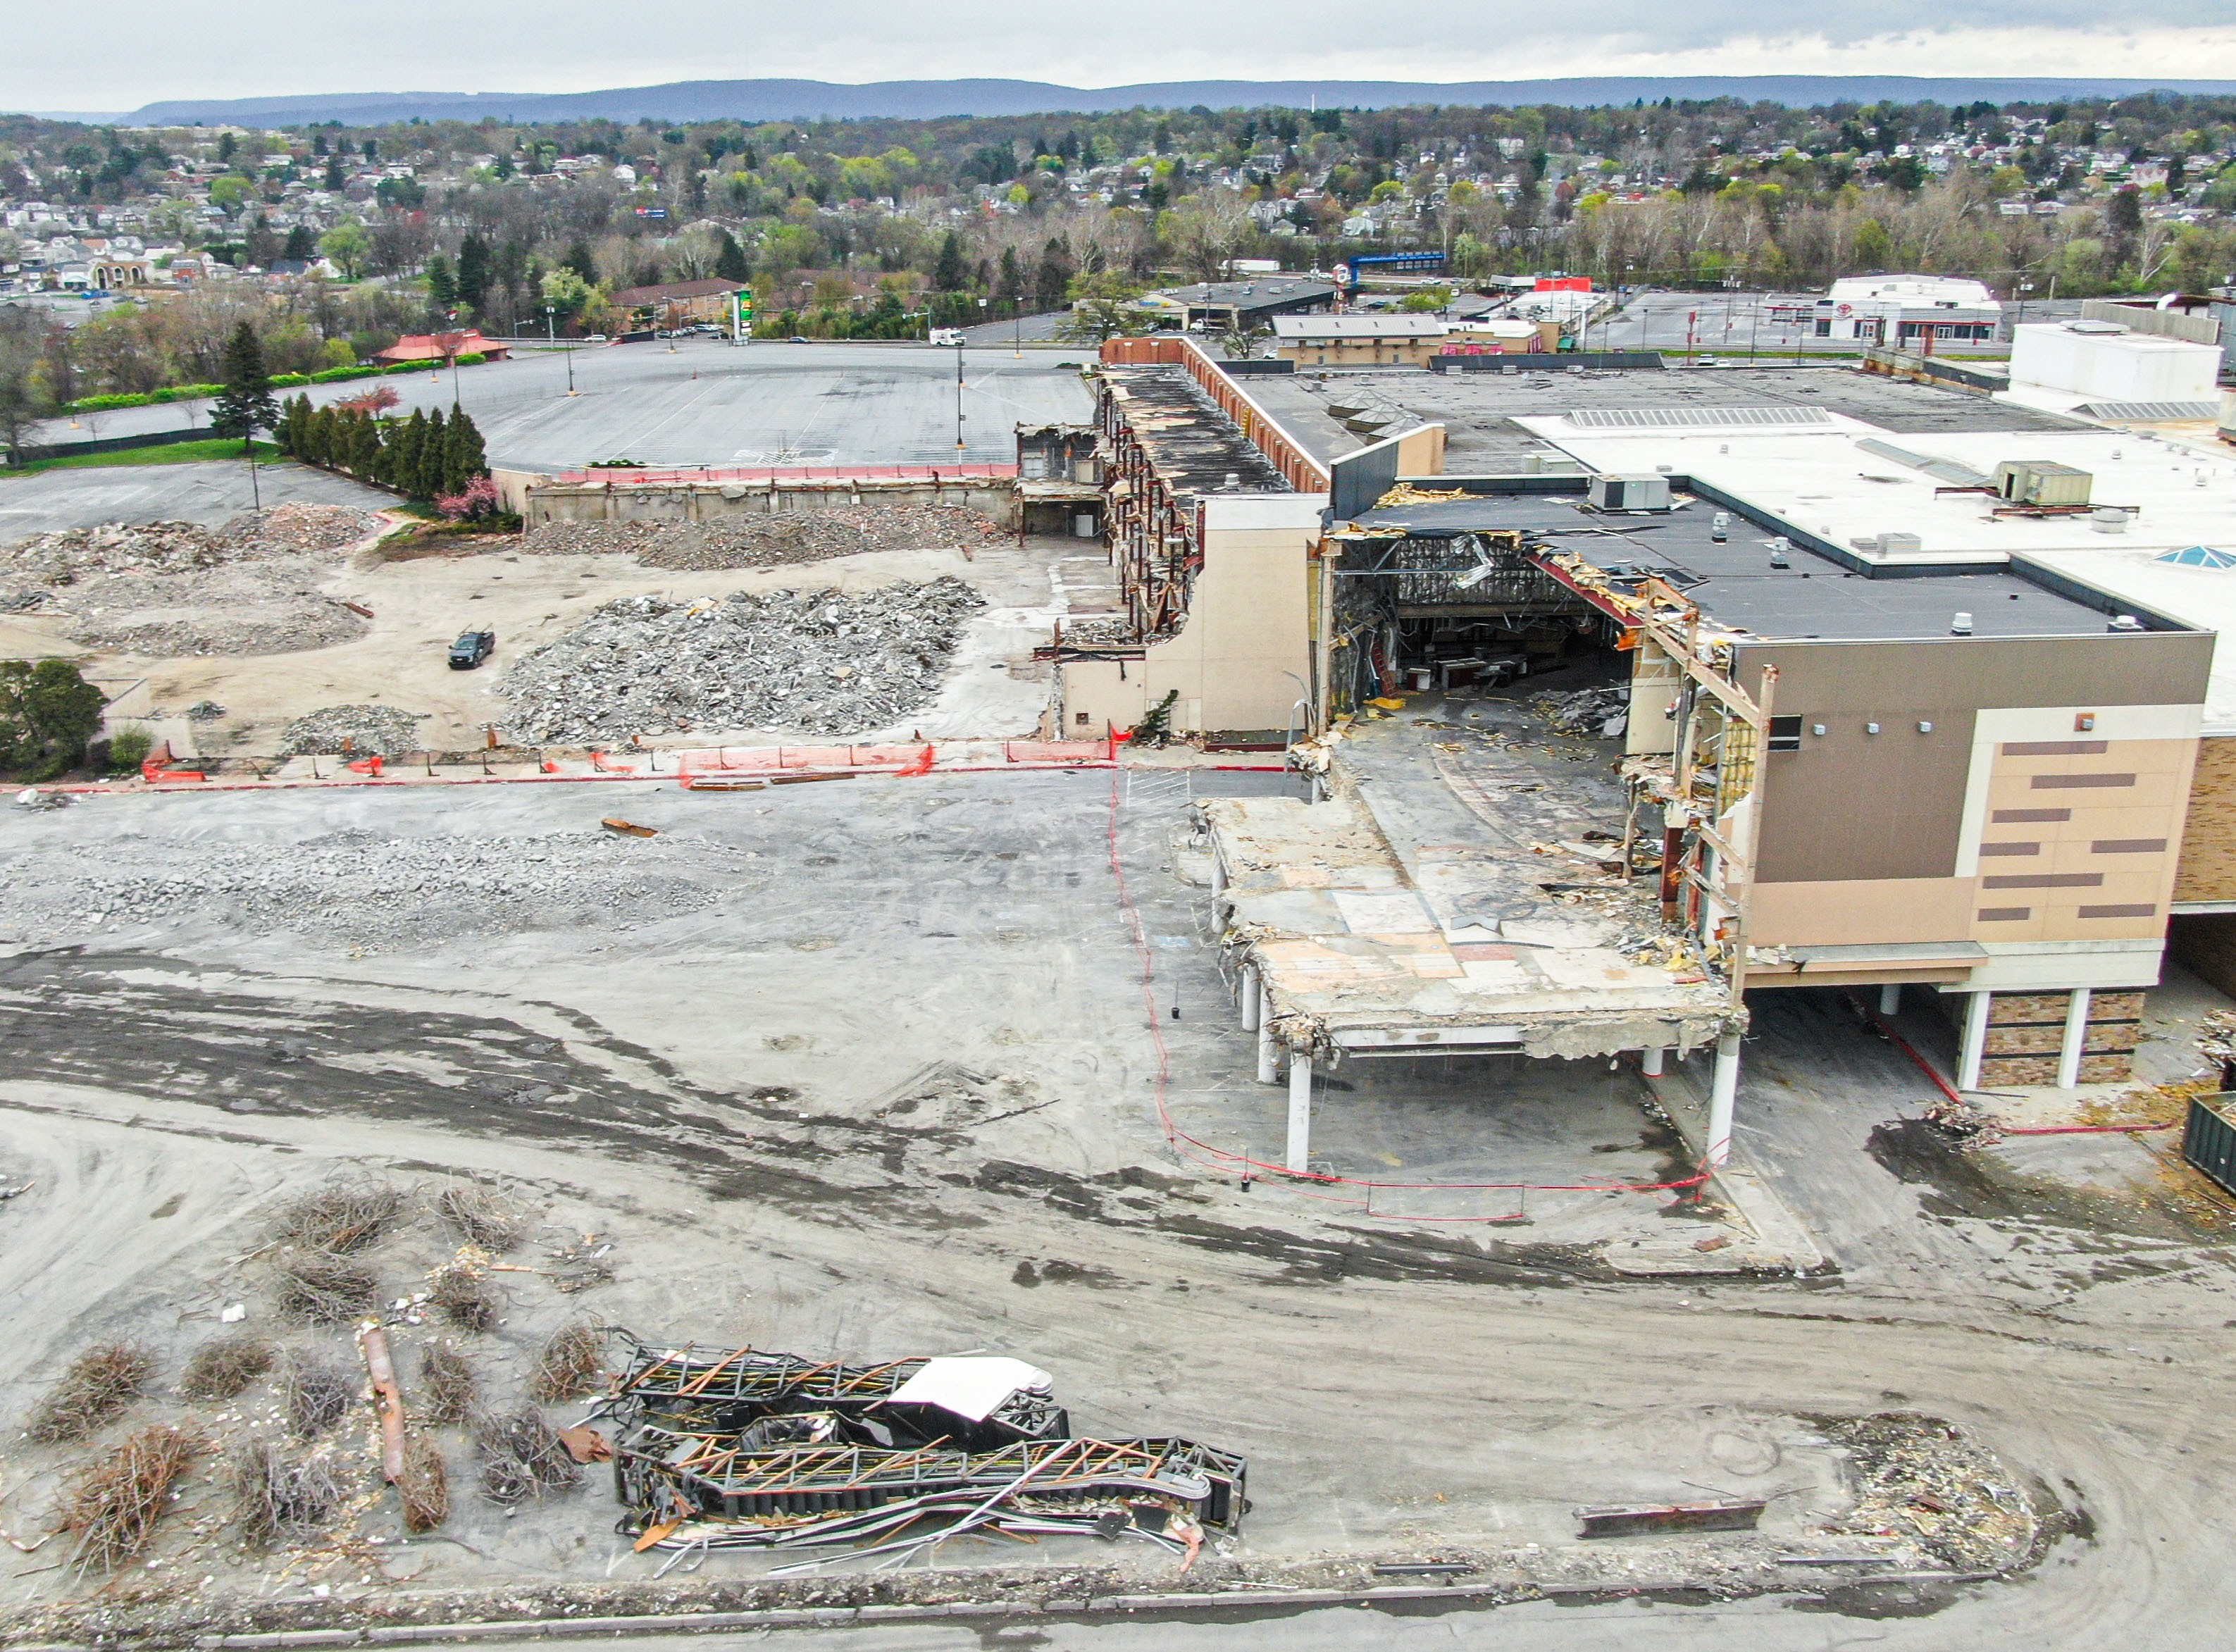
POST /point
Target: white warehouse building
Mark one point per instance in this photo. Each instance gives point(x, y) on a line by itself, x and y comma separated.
point(1908, 310)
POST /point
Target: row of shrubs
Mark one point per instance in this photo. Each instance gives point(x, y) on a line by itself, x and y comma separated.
point(279, 381)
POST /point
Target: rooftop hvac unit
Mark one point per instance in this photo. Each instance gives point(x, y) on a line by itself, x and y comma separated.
point(2039, 482)
point(1630, 492)
point(1900, 544)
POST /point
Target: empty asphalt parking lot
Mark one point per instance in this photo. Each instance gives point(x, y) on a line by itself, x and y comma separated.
point(710, 402)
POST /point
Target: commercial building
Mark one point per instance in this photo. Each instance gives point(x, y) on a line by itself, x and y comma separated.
point(1922, 694)
point(673, 305)
point(1908, 310)
point(1214, 307)
point(1404, 340)
point(443, 348)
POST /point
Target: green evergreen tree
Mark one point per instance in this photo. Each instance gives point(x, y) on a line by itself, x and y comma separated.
point(47, 713)
point(362, 445)
point(245, 405)
point(399, 455)
point(948, 273)
point(473, 277)
point(579, 261)
point(730, 260)
point(442, 284)
point(427, 475)
point(464, 456)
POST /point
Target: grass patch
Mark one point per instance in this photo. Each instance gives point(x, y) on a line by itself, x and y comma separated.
point(174, 453)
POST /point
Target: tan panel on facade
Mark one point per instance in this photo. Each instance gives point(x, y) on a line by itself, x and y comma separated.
point(2070, 888)
point(1847, 912)
point(2208, 843)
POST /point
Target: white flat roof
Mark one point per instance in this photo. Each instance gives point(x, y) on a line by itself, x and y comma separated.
point(1359, 326)
point(1828, 483)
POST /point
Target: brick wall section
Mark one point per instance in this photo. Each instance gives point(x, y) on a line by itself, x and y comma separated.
point(2207, 867)
point(2027, 1030)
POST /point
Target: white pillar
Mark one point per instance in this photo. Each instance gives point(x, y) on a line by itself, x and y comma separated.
point(1653, 1062)
point(1890, 998)
point(1723, 1096)
point(2076, 1040)
point(1300, 1110)
point(1269, 1053)
point(1976, 1041)
point(1217, 873)
point(1253, 998)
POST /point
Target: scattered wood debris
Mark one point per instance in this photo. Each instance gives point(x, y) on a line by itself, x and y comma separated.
point(99, 1385)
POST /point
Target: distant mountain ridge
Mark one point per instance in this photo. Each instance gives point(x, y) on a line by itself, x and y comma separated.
point(782, 100)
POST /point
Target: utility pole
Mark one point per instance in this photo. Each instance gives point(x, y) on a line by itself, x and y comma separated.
point(958, 401)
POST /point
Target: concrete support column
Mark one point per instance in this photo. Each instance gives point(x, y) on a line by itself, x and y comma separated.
point(1253, 999)
point(1269, 1053)
point(1300, 1111)
point(1976, 1041)
point(1723, 1098)
point(1890, 998)
point(1651, 1064)
point(2076, 1040)
point(1217, 875)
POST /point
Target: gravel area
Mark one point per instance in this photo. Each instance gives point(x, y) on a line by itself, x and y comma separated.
point(365, 889)
point(249, 586)
point(771, 541)
point(388, 730)
point(822, 662)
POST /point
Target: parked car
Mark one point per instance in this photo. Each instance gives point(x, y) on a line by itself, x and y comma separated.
point(595, 338)
point(470, 649)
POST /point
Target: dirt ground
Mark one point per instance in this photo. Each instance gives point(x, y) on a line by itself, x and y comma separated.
point(422, 595)
point(893, 1091)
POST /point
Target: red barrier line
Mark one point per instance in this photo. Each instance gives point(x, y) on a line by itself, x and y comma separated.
point(1221, 1159)
point(1903, 1044)
point(2005, 1129)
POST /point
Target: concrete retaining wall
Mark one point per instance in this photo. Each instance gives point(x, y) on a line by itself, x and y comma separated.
point(703, 501)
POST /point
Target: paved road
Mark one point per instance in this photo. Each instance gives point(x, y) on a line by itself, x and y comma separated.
point(707, 402)
point(46, 500)
point(1030, 329)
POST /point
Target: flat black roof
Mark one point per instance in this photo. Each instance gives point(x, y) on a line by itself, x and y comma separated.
point(1812, 598)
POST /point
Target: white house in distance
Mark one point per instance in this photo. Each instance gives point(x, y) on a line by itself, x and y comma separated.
point(1909, 312)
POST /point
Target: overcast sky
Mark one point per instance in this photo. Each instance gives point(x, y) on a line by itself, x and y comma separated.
point(116, 54)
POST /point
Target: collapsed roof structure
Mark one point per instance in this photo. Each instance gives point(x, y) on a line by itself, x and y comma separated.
point(733, 1448)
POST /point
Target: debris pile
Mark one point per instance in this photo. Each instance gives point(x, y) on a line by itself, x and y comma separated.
point(824, 662)
point(359, 731)
point(1591, 712)
point(369, 889)
point(718, 1448)
point(249, 586)
point(755, 541)
point(1922, 1480)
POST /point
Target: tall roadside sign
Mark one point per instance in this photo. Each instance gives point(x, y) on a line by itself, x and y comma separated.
point(741, 315)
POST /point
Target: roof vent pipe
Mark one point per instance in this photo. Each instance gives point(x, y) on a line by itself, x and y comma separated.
point(1960, 625)
point(2124, 622)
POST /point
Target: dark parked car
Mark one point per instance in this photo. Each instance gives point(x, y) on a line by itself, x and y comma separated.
point(471, 649)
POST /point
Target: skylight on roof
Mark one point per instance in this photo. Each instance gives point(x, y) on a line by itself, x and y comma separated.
point(2199, 557)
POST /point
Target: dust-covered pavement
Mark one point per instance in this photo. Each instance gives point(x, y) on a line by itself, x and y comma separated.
point(886, 1089)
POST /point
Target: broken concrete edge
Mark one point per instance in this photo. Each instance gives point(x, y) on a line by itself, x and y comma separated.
point(138, 789)
point(829, 1616)
point(1783, 1244)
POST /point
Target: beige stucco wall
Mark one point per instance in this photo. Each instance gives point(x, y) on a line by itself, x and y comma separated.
point(1100, 695)
point(1248, 621)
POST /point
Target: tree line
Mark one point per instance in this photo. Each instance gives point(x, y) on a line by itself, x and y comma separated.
point(426, 457)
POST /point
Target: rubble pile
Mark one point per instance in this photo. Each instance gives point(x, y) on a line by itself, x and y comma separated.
point(749, 541)
point(249, 585)
point(1593, 712)
point(360, 731)
point(823, 661)
point(371, 889)
point(732, 1448)
point(1922, 1480)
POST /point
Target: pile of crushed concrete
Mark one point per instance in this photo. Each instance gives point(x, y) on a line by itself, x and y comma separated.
point(249, 585)
point(765, 540)
point(387, 731)
point(375, 890)
point(822, 662)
